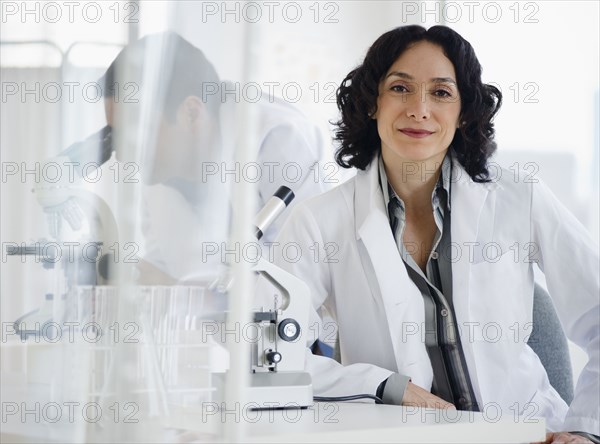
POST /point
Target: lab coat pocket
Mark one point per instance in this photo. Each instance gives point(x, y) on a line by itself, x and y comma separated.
point(506, 375)
point(500, 295)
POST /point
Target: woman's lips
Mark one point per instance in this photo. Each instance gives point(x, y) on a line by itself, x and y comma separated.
point(416, 133)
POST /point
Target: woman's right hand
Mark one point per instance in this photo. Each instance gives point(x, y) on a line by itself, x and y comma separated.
point(418, 397)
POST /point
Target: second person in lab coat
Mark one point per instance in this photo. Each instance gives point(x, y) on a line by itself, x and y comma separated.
point(425, 259)
point(188, 157)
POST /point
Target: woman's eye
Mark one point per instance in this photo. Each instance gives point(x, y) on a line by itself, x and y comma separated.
point(442, 93)
point(399, 88)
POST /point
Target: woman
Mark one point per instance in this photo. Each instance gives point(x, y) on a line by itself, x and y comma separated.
point(425, 259)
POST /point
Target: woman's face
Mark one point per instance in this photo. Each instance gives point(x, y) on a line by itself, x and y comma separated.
point(418, 106)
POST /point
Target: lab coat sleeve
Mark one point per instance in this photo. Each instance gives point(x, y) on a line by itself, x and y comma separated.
point(569, 259)
point(329, 377)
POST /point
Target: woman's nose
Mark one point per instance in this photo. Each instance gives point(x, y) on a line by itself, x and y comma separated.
point(418, 107)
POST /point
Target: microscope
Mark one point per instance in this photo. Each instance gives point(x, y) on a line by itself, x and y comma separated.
point(87, 216)
point(278, 379)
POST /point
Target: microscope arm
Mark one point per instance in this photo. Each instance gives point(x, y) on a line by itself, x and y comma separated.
point(294, 308)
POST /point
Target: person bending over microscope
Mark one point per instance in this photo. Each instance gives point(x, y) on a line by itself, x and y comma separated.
point(187, 157)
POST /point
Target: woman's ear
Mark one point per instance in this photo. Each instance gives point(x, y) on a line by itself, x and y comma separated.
point(373, 113)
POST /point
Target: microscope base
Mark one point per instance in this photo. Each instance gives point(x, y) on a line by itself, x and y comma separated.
point(280, 390)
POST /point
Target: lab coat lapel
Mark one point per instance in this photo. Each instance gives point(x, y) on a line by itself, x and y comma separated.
point(470, 227)
point(373, 228)
point(402, 300)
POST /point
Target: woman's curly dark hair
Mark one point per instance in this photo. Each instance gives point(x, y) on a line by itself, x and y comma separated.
point(473, 142)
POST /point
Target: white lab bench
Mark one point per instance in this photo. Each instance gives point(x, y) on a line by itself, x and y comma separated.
point(322, 422)
point(349, 422)
point(29, 378)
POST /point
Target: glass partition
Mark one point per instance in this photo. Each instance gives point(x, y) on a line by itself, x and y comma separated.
point(139, 139)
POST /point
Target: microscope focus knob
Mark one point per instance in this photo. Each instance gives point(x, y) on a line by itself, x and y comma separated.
point(289, 330)
point(273, 357)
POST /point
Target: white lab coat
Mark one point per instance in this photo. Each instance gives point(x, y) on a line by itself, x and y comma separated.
point(186, 238)
point(291, 152)
point(352, 265)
